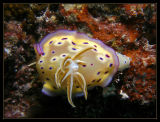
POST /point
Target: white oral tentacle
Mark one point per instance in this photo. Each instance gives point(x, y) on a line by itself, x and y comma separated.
point(63, 64)
point(79, 61)
point(56, 77)
point(68, 73)
point(84, 83)
point(72, 67)
point(67, 61)
point(71, 86)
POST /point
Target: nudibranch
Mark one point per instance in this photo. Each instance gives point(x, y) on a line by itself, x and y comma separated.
point(72, 62)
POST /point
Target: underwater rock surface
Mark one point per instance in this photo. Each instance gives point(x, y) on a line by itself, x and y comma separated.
point(129, 29)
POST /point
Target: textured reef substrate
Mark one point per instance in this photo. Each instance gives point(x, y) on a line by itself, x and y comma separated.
point(128, 28)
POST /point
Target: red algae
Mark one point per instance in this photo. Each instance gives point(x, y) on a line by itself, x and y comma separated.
point(128, 28)
point(103, 30)
point(140, 80)
point(134, 9)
